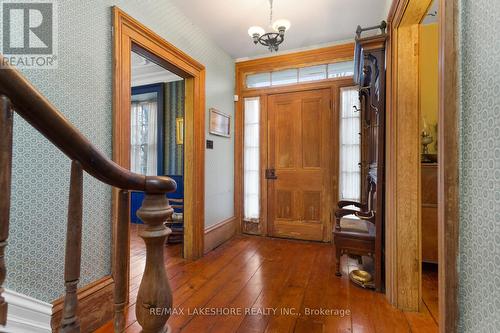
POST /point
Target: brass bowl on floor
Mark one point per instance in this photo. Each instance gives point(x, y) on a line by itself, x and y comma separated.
point(361, 278)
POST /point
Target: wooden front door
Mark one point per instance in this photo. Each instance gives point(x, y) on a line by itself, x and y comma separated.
point(299, 174)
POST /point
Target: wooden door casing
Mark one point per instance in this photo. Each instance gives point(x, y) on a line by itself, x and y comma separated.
point(300, 144)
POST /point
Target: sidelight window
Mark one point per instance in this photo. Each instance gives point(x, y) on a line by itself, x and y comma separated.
point(350, 145)
point(251, 183)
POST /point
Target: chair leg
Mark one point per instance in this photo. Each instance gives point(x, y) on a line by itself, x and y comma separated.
point(338, 254)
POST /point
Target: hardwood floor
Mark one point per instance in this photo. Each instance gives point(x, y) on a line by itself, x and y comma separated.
point(269, 285)
point(430, 289)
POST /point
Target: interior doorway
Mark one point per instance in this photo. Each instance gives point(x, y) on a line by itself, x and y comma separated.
point(405, 215)
point(429, 105)
point(132, 40)
point(157, 134)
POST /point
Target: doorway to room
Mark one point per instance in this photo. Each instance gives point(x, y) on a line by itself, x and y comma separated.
point(158, 122)
point(416, 191)
point(157, 134)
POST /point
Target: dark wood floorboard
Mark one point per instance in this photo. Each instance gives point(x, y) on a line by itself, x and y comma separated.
point(271, 285)
point(430, 294)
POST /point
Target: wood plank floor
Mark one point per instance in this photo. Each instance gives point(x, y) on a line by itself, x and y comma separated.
point(430, 289)
point(269, 285)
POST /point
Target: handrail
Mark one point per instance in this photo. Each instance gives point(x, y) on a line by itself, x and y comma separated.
point(30, 104)
point(20, 96)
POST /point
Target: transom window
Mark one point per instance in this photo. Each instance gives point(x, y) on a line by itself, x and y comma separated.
point(300, 75)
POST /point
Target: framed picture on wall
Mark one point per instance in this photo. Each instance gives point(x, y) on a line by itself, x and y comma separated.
point(179, 131)
point(220, 123)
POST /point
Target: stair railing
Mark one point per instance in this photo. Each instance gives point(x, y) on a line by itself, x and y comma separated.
point(154, 299)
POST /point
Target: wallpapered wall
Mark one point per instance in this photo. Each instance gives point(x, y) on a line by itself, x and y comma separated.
point(479, 264)
point(174, 109)
point(81, 88)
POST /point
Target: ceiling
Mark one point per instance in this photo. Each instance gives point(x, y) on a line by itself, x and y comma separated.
point(432, 13)
point(146, 72)
point(313, 21)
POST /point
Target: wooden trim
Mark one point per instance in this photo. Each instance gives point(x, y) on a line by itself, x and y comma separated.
point(448, 173)
point(129, 33)
point(297, 59)
point(334, 85)
point(287, 88)
point(95, 301)
point(219, 233)
point(403, 192)
point(403, 209)
point(448, 190)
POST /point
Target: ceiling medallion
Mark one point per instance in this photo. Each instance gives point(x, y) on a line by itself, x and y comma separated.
point(271, 40)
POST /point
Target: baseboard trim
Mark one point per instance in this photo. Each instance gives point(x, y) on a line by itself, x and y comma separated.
point(219, 233)
point(95, 301)
point(26, 314)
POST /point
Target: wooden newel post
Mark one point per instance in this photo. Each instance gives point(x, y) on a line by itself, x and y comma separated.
point(6, 120)
point(154, 300)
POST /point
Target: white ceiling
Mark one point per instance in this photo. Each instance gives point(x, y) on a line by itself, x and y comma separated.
point(432, 13)
point(146, 72)
point(313, 21)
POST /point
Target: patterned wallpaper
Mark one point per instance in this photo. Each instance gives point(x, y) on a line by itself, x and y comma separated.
point(174, 109)
point(81, 89)
point(479, 262)
point(168, 21)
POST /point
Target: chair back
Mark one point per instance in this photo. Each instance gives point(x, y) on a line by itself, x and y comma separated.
point(372, 195)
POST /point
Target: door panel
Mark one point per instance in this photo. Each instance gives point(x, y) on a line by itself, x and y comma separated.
point(300, 151)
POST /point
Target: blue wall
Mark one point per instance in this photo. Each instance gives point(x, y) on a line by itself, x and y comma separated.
point(81, 88)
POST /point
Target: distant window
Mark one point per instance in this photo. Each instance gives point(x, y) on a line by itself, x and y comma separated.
point(144, 137)
point(259, 80)
point(313, 73)
point(251, 167)
point(350, 145)
point(299, 75)
point(340, 69)
point(288, 76)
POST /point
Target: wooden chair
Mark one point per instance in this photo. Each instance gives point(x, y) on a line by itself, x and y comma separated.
point(176, 221)
point(175, 224)
point(355, 230)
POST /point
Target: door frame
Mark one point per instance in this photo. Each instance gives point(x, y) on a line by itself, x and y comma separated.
point(334, 85)
point(128, 33)
point(403, 272)
point(332, 160)
point(337, 53)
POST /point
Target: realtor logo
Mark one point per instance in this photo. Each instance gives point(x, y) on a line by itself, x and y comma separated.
point(29, 33)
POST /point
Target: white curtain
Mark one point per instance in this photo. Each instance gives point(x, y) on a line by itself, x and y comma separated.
point(350, 150)
point(144, 138)
point(251, 160)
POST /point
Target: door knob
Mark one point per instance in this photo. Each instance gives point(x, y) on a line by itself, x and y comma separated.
point(271, 174)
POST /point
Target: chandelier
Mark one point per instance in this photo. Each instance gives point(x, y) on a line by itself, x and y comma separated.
point(271, 40)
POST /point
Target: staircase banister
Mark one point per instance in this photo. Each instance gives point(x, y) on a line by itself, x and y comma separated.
point(31, 105)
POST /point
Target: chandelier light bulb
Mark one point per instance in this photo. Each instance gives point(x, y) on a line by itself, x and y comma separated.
point(256, 32)
point(281, 25)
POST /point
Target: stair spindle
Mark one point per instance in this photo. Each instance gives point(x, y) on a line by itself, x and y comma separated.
point(121, 241)
point(6, 120)
point(70, 322)
point(154, 300)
